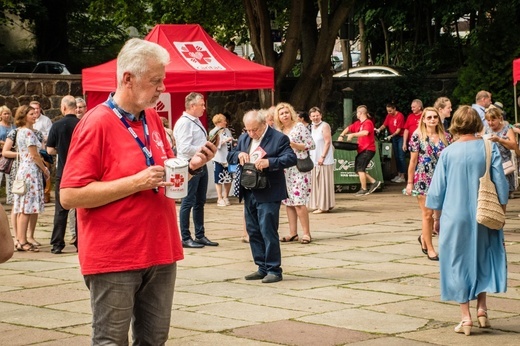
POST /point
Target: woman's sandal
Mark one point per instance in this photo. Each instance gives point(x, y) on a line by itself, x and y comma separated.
point(306, 239)
point(464, 328)
point(483, 321)
point(288, 239)
point(26, 247)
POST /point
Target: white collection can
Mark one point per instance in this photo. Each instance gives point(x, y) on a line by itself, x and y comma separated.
point(176, 172)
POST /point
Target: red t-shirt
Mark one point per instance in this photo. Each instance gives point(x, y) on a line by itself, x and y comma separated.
point(137, 231)
point(412, 123)
point(367, 142)
point(394, 122)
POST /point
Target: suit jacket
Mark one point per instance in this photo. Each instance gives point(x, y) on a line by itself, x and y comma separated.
point(280, 156)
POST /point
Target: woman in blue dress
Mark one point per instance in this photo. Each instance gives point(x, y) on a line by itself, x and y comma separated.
point(472, 256)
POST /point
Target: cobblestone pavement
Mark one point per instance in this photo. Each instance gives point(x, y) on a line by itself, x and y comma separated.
point(362, 281)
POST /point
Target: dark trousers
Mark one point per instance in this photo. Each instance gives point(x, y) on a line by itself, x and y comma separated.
point(262, 220)
point(195, 199)
point(60, 220)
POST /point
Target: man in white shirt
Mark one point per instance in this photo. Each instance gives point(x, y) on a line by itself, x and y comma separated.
point(43, 123)
point(190, 135)
point(482, 102)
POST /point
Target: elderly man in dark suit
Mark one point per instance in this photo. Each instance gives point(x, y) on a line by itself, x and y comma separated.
point(262, 206)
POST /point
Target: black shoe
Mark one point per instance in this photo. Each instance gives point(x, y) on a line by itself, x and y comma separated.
point(255, 276)
point(191, 244)
point(205, 241)
point(270, 278)
point(374, 186)
point(57, 250)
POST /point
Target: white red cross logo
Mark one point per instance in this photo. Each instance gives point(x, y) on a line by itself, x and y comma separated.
point(177, 180)
point(198, 55)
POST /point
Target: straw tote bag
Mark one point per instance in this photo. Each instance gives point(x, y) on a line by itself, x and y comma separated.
point(489, 209)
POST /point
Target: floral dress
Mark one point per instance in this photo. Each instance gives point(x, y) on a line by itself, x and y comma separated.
point(32, 202)
point(299, 183)
point(505, 154)
point(428, 155)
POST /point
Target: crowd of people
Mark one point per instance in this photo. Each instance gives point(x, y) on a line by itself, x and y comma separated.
point(446, 160)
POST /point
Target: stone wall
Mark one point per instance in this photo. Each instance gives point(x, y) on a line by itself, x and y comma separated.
point(20, 89)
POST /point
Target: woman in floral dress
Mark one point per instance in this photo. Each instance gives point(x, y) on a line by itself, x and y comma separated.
point(426, 145)
point(29, 169)
point(504, 137)
point(298, 183)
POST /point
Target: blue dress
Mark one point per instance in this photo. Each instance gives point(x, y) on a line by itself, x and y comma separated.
point(472, 257)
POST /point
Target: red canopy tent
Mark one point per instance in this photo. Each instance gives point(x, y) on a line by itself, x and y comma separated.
point(198, 63)
point(516, 78)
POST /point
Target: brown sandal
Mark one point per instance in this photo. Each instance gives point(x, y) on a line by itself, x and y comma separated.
point(306, 239)
point(26, 247)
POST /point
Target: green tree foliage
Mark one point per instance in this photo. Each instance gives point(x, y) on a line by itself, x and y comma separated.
point(492, 47)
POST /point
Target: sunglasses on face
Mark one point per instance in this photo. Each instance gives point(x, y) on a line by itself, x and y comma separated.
point(430, 117)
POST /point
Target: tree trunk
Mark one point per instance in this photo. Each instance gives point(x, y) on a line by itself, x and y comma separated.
point(385, 35)
point(363, 59)
point(318, 78)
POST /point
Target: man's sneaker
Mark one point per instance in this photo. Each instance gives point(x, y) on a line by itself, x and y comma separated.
point(221, 203)
point(374, 186)
point(399, 180)
point(361, 192)
point(393, 180)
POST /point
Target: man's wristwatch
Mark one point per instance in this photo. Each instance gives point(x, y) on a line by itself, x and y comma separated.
point(196, 171)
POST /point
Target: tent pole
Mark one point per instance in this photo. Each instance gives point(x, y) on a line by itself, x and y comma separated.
point(516, 105)
point(272, 97)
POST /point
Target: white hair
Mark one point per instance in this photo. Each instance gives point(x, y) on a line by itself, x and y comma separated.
point(135, 56)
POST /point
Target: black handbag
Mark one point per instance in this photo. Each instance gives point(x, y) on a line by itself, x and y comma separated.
point(305, 165)
point(6, 164)
point(253, 179)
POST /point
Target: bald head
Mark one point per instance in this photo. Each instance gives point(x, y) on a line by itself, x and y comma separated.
point(68, 105)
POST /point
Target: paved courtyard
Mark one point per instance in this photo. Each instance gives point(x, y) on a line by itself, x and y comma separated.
point(362, 281)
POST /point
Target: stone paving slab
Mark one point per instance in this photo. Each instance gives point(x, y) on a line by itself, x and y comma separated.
point(367, 321)
point(247, 312)
point(205, 323)
point(302, 334)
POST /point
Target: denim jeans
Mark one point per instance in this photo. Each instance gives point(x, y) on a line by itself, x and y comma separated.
point(262, 221)
point(142, 297)
point(397, 146)
point(195, 199)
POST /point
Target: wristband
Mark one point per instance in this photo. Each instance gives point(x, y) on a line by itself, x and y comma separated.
point(194, 172)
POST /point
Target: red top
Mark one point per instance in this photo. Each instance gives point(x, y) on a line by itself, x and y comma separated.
point(394, 122)
point(367, 142)
point(137, 231)
point(412, 123)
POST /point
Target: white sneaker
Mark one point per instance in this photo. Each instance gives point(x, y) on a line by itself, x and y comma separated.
point(226, 201)
point(221, 203)
point(394, 179)
point(399, 180)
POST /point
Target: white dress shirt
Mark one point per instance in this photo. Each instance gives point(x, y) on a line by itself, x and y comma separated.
point(190, 135)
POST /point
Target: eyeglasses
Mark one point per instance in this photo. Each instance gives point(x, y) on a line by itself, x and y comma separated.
point(430, 117)
point(252, 130)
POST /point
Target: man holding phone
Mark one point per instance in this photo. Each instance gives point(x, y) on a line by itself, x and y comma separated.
point(190, 135)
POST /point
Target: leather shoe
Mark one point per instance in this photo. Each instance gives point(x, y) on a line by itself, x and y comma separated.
point(270, 278)
point(56, 250)
point(205, 241)
point(191, 244)
point(255, 276)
